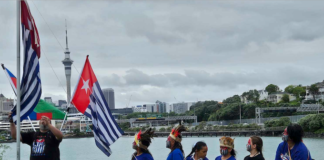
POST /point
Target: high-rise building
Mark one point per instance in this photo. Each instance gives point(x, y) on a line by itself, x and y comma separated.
point(61, 102)
point(149, 107)
point(109, 95)
point(48, 100)
point(161, 106)
point(181, 107)
point(67, 62)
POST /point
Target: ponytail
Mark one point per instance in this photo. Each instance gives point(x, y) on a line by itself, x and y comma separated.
point(233, 152)
point(197, 147)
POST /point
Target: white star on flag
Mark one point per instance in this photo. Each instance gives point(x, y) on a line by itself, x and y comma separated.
point(85, 85)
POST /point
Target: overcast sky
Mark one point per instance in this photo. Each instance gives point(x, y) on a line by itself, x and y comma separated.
point(175, 50)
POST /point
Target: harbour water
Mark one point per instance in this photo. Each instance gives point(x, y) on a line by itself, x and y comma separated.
point(85, 148)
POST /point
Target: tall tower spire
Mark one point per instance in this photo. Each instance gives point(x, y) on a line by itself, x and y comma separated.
point(67, 62)
point(67, 44)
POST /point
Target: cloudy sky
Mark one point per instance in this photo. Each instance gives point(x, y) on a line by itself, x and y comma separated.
point(176, 50)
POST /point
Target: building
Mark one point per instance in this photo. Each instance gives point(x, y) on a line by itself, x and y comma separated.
point(48, 100)
point(276, 97)
point(5, 107)
point(160, 107)
point(319, 96)
point(150, 107)
point(61, 102)
point(139, 109)
point(67, 62)
point(109, 95)
point(263, 95)
point(122, 111)
point(181, 107)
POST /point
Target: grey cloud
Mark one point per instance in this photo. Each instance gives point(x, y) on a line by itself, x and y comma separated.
point(176, 48)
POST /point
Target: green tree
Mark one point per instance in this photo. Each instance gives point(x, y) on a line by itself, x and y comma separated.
point(201, 126)
point(285, 98)
point(290, 89)
point(314, 90)
point(271, 88)
point(3, 147)
point(244, 96)
point(299, 91)
point(253, 95)
point(162, 129)
point(234, 99)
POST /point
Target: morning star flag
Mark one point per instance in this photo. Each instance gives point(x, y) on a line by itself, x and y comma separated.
point(12, 78)
point(89, 100)
point(30, 87)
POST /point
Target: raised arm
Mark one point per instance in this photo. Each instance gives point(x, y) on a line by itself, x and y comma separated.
point(57, 133)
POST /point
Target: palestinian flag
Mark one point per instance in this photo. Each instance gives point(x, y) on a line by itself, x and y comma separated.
point(45, 109)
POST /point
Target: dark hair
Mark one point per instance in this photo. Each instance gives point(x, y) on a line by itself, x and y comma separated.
point(295, 132)
point(233, 152)
point(143, 151)
point(198, 146)
point(177, 145)
point(258, 142)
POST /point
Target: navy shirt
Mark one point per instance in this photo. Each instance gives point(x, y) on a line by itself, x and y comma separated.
point(144, 156)
point(220, 158)
point(175, 155)
point(298, 152)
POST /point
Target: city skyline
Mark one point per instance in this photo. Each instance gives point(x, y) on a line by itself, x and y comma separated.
point(174, 51)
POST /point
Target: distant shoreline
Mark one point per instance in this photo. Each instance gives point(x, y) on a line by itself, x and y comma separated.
point(307, 135)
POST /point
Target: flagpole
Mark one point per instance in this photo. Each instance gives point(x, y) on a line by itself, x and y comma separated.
point(31, 124)
point(66, 113)
point(18, 80)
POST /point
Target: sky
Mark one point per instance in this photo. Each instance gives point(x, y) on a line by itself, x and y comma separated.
point(173, 51)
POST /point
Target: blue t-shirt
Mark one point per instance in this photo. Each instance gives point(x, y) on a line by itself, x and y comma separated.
point(298, 152)
point(192, 158)
point(220, 158)
point(144, 156)
point(175, 155)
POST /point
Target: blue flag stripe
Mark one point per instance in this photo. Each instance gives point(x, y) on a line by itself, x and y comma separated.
point(31, 89)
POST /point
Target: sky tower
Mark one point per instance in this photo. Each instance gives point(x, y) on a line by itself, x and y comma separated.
point(67, 67)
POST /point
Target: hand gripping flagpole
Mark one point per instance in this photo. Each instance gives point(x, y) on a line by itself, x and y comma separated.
point(18, 80)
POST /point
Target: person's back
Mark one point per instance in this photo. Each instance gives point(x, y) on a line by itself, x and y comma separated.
point(257, 157)
point(144, 156)
point(293, 147)
point(299, 151)
point(176, 154)
point(43, 145)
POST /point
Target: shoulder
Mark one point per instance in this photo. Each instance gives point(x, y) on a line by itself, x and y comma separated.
point(281, 145)
point(176, 151)
point(206, 158)
point(147, 156)
point(260, 157)
point(218, 158)
point(232, 158)
point(247, 157)
point(188, 158)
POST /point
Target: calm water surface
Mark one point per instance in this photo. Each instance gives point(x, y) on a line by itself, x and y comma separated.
point(85, 148)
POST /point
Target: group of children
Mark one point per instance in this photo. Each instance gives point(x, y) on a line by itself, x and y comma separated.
point(292, 147)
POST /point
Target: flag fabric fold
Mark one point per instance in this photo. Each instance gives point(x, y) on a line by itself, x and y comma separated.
point(89, 100)
point(30, 86)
